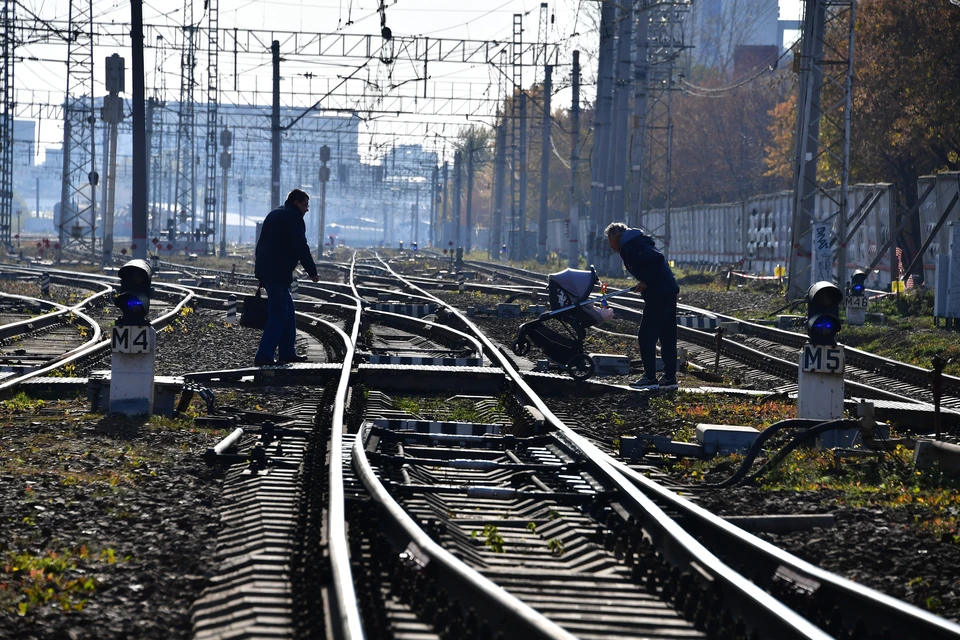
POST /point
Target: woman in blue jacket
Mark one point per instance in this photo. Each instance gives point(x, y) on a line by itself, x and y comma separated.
point(659, 290)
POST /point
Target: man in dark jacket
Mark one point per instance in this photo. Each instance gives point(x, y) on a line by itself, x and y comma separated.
point(659, 290)
point(282, 244)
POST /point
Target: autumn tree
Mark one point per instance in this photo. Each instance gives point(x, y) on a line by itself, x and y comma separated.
point(905, 121)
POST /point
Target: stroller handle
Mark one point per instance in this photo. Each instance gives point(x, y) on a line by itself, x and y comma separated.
point(613, 294)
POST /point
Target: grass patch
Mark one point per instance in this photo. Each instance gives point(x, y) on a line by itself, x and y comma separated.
point(55, 578)
point(691, 409)
point(913, 341)
point(453, 410)
point(22, 403)
point(932, 497)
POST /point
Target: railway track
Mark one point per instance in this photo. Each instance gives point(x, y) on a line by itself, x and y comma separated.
point(382, 518)
point(508, 522)
point(88, 315)
point(774, 351)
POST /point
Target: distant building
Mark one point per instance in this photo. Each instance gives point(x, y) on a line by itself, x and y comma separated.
point(409, 160)
point(719, 27)
point(24, 142)
point(53, 159)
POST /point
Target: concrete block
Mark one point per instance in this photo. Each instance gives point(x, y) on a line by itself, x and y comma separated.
point(634, 447)
point(543, 366)
point(730, 327)
point(718, 439)
point(933, 452)
point(610, 365)
point(536, 309)
point(471, 312)
point(187, 282)
point(697, 322)
point(508, 310)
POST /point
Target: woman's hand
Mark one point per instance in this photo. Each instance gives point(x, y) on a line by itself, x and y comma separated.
point(639, 287)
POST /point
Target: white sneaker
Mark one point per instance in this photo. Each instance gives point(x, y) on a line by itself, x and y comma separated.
point(645, 383)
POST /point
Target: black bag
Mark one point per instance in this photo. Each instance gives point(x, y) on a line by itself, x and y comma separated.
point(254, 311)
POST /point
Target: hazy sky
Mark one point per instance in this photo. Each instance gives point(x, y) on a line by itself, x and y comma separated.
point(573, 27)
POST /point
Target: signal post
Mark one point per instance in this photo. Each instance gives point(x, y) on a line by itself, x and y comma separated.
point(820, 377)
point(133, 343)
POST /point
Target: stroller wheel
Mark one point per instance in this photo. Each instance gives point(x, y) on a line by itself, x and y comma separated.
point(521, 347)
point(580, 367)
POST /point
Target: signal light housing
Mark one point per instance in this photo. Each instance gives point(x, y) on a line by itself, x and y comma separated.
point(823, 313)
point(858, 285)
point(133, 295)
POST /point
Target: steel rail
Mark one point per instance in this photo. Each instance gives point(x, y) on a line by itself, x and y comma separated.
point(503, 611)
point(877, 611)
point(456, 574)
point(398, 320)
point(345, 598)
point(763, 560)
point(91, 348)
point(894, 369)
point(760, 610)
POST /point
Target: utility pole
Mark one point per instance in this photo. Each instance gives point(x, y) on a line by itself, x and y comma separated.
point(446, 197)
point(226, 139)
point(573, 259)
point(112, 114)
point(434, 194)
point(523, 176)
point(324, 179)
point(516, 90)
point(210, 151)
point(544, 165)
point(637, 146)
point(614, 207)
point(78, 195)
point(457, 167)
point(499, 192)
point(152, 155)
point(141, 145)
point(241, 210)
point(275, 137)
point(602, 121)
point(469, 234)
point(821, 66)
point(7, 47)
point(186, 152)
point(415, 220)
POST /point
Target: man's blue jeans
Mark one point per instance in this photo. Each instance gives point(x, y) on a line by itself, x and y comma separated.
point(281, 329)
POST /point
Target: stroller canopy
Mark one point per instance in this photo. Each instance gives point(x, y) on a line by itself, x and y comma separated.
point(576, 282)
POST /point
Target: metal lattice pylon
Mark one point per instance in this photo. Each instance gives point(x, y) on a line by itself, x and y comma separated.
point(665, 45)
point(78, 198)
point(185, 214)
point(210, 191)
point(516, 207)
point(540, 52)
point(823, 134)
point(7, 45)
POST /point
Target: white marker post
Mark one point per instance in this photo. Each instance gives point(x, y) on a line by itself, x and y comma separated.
point(231, 310)
point(131, 369)
point(133, 343)
point(820, 382)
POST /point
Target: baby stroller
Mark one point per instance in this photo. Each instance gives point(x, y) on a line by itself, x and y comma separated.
point(560, 332)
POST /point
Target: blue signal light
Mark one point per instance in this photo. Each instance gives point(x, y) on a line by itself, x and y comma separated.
point(826, 325)
point(131, 303)
point(856, 289)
